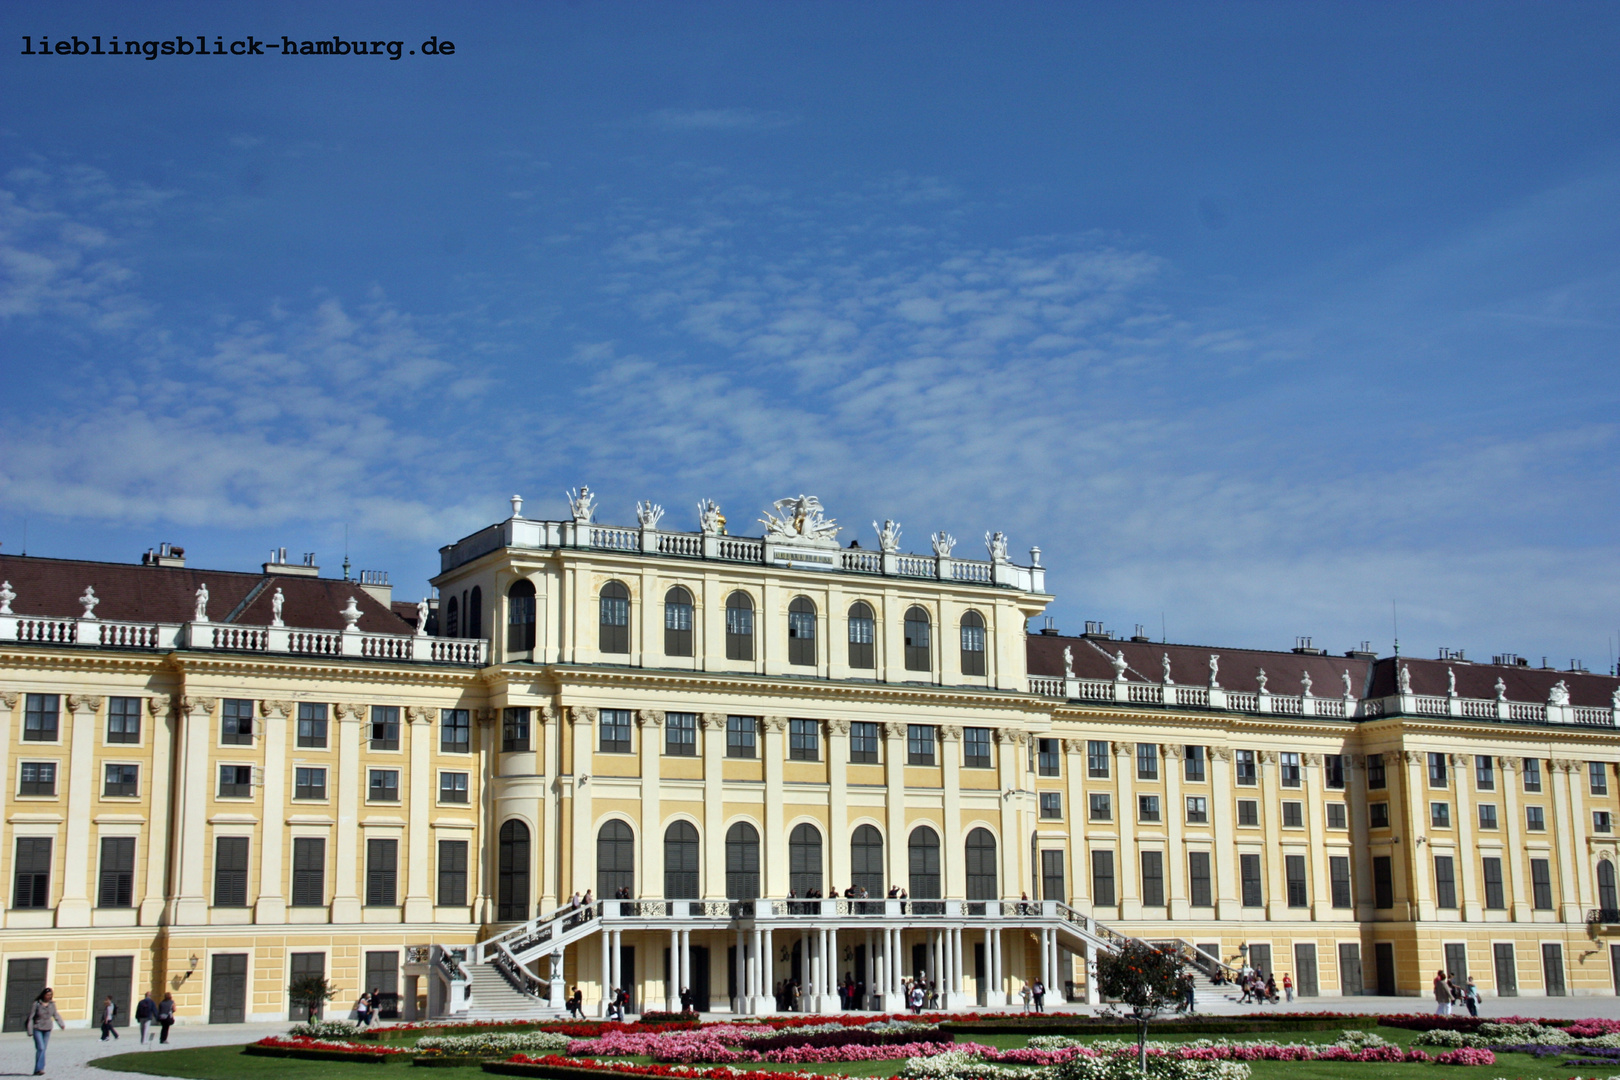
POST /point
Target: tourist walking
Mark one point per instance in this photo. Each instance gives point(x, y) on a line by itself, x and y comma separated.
point(165, 1017)
point(362, 1010)
point(1442, 995)
point(145, 1010)
point(41, 1014)
point(1038, 991)
point(109, 1013)
point(1288, 986)
point(1471, 997)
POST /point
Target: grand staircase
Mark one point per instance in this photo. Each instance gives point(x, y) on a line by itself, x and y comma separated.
point(493, 997)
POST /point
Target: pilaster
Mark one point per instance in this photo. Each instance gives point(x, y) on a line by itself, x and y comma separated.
point(1128, 874)
point(894, 803)
point(1566, 839)
point(191, 834)
point(1175, 817)
point(952, 854)
point(419, 898)
point(1415, 803)
point(774, 851)
point(651, 723)
point(271, 905)
point(1465, 821)
point(1008, 745)
point(838, 802)
point(1513, 824)
point(73, 909)
point(550, 759)
point(1361, 883)
point(1265, 763)
point(714, 808)
point(159, 799)
point(583, 852)
point(346, 887)
point(1228, 904)
point(1074, 767)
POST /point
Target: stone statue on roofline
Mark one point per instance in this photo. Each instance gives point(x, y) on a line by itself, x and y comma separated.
point(1068, 663)
point(89, 600)
point(710, 521)
point(996, 543)
point(648, 513)
point(1120, 664)
point(800, 519)
point(1214, 671)
point(1348, 692)
point(1405, 679)
point(582, 505)
point(1261, 679)
point(943, 543)
point(1501, 689)
point(888, 536)
point(1451, 682)
point(276, 603)
point(1305, 683)
point(200, 614)
point(1559, 694)
point(1168, 681)
point(422, 617)
point(351, 614)
point(7, 595)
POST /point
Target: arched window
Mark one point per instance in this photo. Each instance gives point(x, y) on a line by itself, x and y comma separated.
point(1608, 897)
point(804, 859)
point(972, 643)
point(742, 862)
point(802, 632)
point(677, 622)
point(512, 873)
point(862, 630)
point(923, 849)
point(615, 860)
point(981, 865)
point(681, 862)
point(615, 629)
point(520, 616)
point(452, 619)
point(866, 860)
point(475, 614)
point(739, 626)
point(917, 650)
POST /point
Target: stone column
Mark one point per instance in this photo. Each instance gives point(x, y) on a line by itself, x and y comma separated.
point(1568, 836)
point(271, 906)
point(1420, 899)
point(1128, 874)
point(838, 803)
point(1271, 816)
point(73, 908)
point(160, 801)
point(1313, 794)
point(773, 851)
point(550, 759)
point(486, 760)
point(1008, 745)
point(1228, 903)
point(672, 1001)
point(1469, 899)
point(1074, 767)
point(1361, 883)
point(651, 724)
point(1175, 817)
point(607, 968)
point(1513, 825)
point(714, 806)
point(346, 899)
point(191, 838)
point(419, 898)
point(894, 776)
point(952, 854)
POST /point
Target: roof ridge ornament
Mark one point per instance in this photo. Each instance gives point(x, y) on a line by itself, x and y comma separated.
point(89, 600)
point(351, 614)
point(943, 543)
point(800, 518)
point(888, 536)
point(582, 505)
point(6, 597)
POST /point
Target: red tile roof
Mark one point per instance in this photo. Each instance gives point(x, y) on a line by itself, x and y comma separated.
point(1479, 681)
point(1189, 665)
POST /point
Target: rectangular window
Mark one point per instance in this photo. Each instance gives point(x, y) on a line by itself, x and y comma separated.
point(1199, 890)
point(1437, 771)
point(31, 884)
point(1102, 878)
point(1097, 755)
point(1487, 816)
point(804, 740)
point(1375, 771)
point(1439, 815)
point(975, 748)
point(116, 885)
point(42, 718)
point(1596, 771)
point(1051, 805)
point(1147, 761)
point(383, 785)
point(382, 872)
point(1383, 882)
point(120, 782)
point(1378, 815)
point(863, 744)
point(1339, 880)
point(312, 725)
point(1152, 879)
point(1050, 757)
point(1147, 808)
point(236, 722)
point(1249, 876)
point(1484, 772)
point(1247, 775)
point(1193, 763)
point(385, 727)
point(1288, 769)
point(515, 731)
point(1294, 873)
point(1541, 884)
point(452, 873)
point(1495, 895)
point(919, 744)
point(1333, 772)
point(124, 720)
point(1293, 815)
point(1602, 821)
point(1102, 806)
point(1445, 882)
point(230, 871)
point(1197, 809)
point(1338, 815)
point(309, 872)
point(309, 783)
point(1532, 774)
point(236, 781)
point(615, 725)
point(1535, 819)
point(680, 734)
point(453, 787)
point(1248, 813)
point(742, 736)
point(455, 730)
point(37, 778)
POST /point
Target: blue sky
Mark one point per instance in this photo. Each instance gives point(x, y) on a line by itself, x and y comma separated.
point(1255, 317)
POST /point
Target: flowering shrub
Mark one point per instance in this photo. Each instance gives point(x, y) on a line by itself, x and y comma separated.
point(1593, 1028)
point(329, 1046)
point(1351, 1039)
point(1466, 1057)
point(1159, 1067)
point(493, 1043)
point(324, 1029)
point(555, 1061)
point(892, 1052)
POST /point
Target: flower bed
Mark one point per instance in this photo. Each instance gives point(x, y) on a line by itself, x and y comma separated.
point(321, 1050)
point(555, 1067)
point(1024, 1024)
point(492, 1044)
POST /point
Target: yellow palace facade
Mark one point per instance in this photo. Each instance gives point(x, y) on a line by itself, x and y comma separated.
point(765, 759)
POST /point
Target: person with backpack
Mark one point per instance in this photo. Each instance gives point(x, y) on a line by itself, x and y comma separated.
point(165, 1017)
point(145, 1010)
point(109, 1013)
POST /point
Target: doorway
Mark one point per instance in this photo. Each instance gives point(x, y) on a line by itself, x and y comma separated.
point(227, 988)
point(1552, 969)
point(382, 975)
point(114, 975)
point(1350, 984)
point(980, 981)
point(24, 980)
point(1457, 961)
point(1384, 959)
point(301, 965)
point(1305, 969)
point(1507, 971)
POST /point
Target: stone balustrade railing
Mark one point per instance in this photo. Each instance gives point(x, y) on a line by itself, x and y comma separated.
point(232, 637)
point(767, 551)
point(1128, 692)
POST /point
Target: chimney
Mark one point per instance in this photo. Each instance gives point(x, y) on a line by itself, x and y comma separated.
point(278, 564)
point(166, 554)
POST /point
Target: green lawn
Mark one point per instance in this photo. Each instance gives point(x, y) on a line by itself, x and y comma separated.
point(229, 1063)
